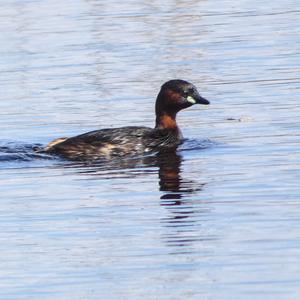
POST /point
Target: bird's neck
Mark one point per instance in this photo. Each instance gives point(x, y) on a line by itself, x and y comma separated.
point(165, 118)
point(167, 122)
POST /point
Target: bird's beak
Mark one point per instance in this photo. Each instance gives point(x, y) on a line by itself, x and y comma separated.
point(197, 99)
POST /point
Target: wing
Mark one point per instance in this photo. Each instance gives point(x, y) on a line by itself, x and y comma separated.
point(164, 139)
point(104, 142)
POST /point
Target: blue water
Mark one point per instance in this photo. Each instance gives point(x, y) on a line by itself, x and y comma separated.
point(218, 219)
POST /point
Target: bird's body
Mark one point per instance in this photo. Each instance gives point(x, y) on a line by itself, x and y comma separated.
point(174, 96)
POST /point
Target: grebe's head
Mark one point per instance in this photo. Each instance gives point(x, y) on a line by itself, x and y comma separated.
point(177, 94)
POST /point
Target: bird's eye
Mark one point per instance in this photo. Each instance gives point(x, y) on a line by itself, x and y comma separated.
point(185, 93)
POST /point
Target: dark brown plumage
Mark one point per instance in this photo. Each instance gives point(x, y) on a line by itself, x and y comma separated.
point(174, 96)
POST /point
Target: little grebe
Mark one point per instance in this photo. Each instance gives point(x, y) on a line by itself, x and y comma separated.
point(174, 96)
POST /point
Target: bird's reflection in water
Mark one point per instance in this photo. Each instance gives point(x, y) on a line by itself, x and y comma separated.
point(181, 197)
point(184, 212)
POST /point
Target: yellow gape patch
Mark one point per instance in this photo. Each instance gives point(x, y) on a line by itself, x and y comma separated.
point(191, 99)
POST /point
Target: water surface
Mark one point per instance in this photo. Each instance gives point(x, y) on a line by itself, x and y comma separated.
point(219, 219)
